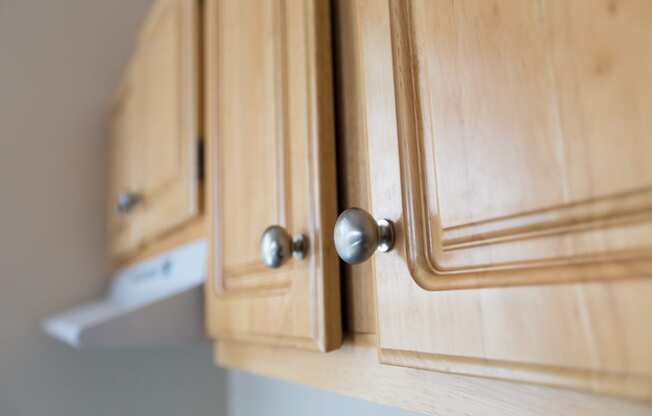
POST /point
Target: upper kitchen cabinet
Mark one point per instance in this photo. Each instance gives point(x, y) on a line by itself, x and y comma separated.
point(155, 168)
point(125, 149)
point(509, 145)
point(271, 162)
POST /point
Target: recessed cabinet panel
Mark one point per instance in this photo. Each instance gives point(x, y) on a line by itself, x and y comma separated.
point(527, 149)
point(508, 142)
point(253, 145)
point(169, 78)
point(271, 158)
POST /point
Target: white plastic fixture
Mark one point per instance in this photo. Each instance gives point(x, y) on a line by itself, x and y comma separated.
point(156, 302)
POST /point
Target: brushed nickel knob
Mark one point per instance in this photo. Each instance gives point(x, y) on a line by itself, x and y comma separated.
point(276, 246)
point(127, 201)
point(358, 235)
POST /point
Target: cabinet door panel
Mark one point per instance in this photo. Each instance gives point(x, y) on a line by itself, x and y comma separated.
point(515, 154)
point(168, 49)
point(271, 161)
point(125, 169)
point(512, 156)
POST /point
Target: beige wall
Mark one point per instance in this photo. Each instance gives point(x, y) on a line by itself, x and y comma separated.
point(59, 63)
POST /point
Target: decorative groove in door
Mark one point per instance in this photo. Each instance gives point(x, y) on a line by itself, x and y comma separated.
point(271, 150)
point(545, 244)
point(253, 276)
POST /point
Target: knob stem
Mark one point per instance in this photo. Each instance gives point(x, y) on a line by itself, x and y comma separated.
point(385, 235)
point(299, 246)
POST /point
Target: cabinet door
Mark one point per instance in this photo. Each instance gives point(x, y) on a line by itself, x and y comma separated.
point(125, 169)
point(271, 160)
point(509, 141)
point(169, 53)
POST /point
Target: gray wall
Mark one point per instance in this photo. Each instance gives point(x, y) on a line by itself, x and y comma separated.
point(60, 60)
point(256, 396)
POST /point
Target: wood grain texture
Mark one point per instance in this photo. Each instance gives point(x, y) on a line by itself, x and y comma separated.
point(499, 176)
point(353, 370)
point(494, 148)
point(353, 170)
point(169, 49)
point(125, 169)
point(271, 160)
point(155, 123)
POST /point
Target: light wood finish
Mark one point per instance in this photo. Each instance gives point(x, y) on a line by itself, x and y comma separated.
point(508, 141)
point(170, 59)
point(522, 129)
point(155, 124)
point(527, 322)
point(271, 160)
point(354, 370)
point(358, 291)
point(195, 229)
point(125, 170)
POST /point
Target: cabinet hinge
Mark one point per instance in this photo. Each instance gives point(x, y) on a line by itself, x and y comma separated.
point(200, 159)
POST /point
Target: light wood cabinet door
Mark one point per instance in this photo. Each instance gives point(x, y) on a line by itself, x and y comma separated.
point(509, 141)
point(155, 131)
point(169, 77)
point(125, 168)
point(271, 161)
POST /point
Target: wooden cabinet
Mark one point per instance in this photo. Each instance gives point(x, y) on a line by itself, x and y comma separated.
point(271, 161)
point(156, 135)
point(507, 140)
point(125, 151)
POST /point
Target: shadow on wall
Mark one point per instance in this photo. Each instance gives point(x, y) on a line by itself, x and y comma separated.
point(251, 395)
point(62, 381)
point(60, 62)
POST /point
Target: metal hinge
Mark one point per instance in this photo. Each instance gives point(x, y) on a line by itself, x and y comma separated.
point(200, 159)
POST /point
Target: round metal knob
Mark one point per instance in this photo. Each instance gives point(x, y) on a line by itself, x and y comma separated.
point(276, 246)
point(127, 201)
point(358, 235)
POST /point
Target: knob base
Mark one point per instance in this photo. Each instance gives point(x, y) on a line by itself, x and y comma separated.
point(299, 246)
point(385, 235)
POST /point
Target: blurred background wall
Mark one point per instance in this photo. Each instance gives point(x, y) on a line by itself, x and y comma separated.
point(60, 61)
